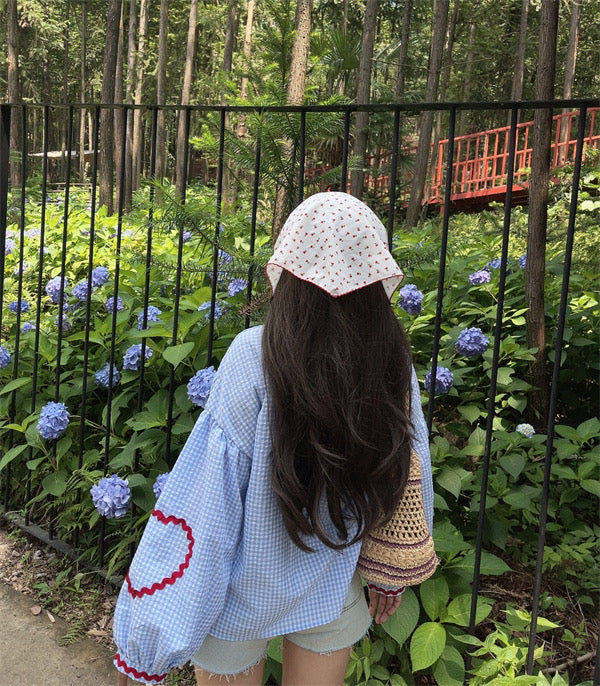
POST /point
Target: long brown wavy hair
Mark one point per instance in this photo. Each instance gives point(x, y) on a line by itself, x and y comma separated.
point(339, 372)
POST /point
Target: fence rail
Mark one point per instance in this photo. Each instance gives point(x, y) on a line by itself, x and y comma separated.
point(69, 230)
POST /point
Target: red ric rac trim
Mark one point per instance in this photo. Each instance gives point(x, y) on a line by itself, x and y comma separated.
point(386, 592)
point(138, 675)
point(160, 585)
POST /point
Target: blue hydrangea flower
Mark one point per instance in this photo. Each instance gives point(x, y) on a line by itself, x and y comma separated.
point(410, 299)
point(53, 288)
point(4, 357)
point(493, 264)
point(199, 386)
point(54, 420)
point(219, 309)
point(111, 496)
point(9, 246)
point(28, 326)
point(224, 257)
point(99, 276)
point(80, 290)
point(525, 430)
point(66, 324)
point(102, 376)
point(187, 235)
point(523, 261)
point(482, 276)
point(160, 483)
point(472, 342)
point(110, 303)
point(152, 316)
point(236, 286)
point(17, 305)
point(443, 380)
point(32, 233)
point(24, 266)
point(133, 355)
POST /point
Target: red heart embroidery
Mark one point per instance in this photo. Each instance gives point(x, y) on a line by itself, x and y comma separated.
point(178, 573)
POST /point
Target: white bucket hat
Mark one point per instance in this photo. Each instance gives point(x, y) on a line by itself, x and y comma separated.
point(336, 242)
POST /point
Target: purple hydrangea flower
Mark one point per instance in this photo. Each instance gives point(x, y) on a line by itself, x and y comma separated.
point(17, 305)
point(32, 233)
point(80, 290)
point(28, 326)
point(236, 286)
point(151, 316)
point(54, 419)
point(160, 483)
point(224, 257)
point(525, 430)
point(111, 496)
point(443, 380)
point(102, 376)
point(22, 266)
point(410, 299)
point(9, 246)
point(219, 309)
point(482, 276)
point(132, 357)
point(66, 324)
point(110, 303)
point(199, 386)
point(53, 288)
point(4, 357)
point(472, 342)
point(523, 261)
point(187, 235)
point(99, 276)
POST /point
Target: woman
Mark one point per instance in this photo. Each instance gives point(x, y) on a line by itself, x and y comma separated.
point(300, 457)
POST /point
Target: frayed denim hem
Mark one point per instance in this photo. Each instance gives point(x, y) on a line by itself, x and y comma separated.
point(231, 675)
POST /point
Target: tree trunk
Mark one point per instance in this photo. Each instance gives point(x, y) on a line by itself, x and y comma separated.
point(136, 148)
point(120, 135)
point(403, 55)
point(284, 200)
point(519, 72)
point(538, 199)
point(229, 188)
point(131, 36)
point(363, 94)
point(82, 85)
point(106, 167)
point(466, 93)
point(13, 91)
point(570, 73)
point(161, 91)
point(241, 128)
point(440, 20)
point(180, 167)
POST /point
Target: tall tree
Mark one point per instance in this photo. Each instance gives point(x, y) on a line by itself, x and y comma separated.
point(106, 165)
point(13, 91)
point(229, 187)
point(181, 171)
point(466, 91)
point(403, 54)
point(82, 89)
point(129, 78)
point(161, 90)
point(136, 145)
point(538, 206)
point(363, 93)
point(570, 69)
point(247, 49)
point(519, 70)
point(440, 20)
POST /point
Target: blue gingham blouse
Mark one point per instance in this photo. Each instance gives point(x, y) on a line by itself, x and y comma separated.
point(215, 556)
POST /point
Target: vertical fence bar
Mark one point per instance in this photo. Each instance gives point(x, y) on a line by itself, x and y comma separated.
point(393, 176)
point(442, 273)
point(5, 115)
point(344, 181)
point(301, 154)
point(253, 228)
point(188, 114)
point(494, 371)
point(554, 388)
point(215, 268)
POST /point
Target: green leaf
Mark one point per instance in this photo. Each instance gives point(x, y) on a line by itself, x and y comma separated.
point(427, 644)
point(459, 610)
point(175, 354)
point(434, 596)
point(490, 564)
point(470, 412)
point(591, 486)
point(450, 480)
point(14, 384)
point(521, 497)
point(450, 668)
point(512, 464)
point(401, 624)
point(146, 420)
point(55, 484)
point(11, 454)
point(589, 429)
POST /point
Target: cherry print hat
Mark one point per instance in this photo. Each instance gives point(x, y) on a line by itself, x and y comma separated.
point(336, 242)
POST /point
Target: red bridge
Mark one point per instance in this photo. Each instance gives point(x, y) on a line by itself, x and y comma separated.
point(479, 170)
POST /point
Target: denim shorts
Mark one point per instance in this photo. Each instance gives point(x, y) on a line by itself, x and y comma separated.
point(218, 656)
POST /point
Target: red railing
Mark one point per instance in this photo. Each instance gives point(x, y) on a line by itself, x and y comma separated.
point(479, 171)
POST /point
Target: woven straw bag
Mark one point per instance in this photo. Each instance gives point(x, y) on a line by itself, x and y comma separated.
point(401, 552)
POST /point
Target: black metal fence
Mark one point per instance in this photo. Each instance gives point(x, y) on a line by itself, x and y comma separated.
point(50, 193)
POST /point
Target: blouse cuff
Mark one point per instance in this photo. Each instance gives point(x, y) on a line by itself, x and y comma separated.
point(387, 591)
point(138, 675)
